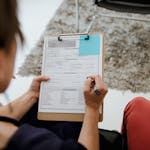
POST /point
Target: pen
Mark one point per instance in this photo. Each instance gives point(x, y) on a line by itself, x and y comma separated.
point(97, 91)
point(92, 83)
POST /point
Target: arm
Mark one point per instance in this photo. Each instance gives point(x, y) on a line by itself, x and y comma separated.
point(89, 136)
point(27, 137)
point(19, 108)
point(22, 105)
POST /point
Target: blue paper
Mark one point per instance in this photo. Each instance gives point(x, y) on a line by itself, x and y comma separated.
point(90, 46)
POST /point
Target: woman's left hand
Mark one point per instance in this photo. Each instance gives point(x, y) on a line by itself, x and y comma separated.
point(34, 89)
point(19, 107)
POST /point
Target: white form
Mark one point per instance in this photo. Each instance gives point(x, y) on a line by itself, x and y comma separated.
point(67, 70)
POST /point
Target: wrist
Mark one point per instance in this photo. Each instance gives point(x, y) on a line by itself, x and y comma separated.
point(92, 113)
point(92, 110)
point(22, 105)
point(31, 96)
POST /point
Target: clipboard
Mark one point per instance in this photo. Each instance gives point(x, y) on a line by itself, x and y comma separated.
point(76, 117)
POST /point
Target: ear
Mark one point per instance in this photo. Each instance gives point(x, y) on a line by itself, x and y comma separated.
point(2, 63)
point(2, 57)
point(2, 69)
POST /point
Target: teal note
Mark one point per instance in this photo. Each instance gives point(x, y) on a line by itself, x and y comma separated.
point(90, 46)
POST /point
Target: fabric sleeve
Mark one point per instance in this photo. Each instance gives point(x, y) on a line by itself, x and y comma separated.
point(28, 137)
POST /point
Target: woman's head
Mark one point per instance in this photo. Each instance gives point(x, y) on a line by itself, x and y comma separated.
point(9, 29)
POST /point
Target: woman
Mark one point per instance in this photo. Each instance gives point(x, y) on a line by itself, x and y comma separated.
point(13, 136)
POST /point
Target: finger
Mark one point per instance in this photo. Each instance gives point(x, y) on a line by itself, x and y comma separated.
point(100, 85)
point(91, 76)
point(87, 85)
point(98, 82)
point(42, 78)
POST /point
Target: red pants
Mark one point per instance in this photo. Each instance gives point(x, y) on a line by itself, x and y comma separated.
point(136, 124)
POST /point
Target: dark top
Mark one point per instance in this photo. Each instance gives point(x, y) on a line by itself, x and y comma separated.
point(28, 137)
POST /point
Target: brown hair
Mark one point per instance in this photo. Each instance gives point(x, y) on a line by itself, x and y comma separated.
point(9, 24)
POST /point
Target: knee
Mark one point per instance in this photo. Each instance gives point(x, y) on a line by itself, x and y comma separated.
point(136, 104)
point(138, 101)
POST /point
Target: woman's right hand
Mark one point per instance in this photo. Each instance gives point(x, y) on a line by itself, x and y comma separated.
point(92, 100)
